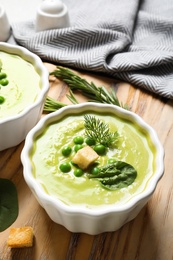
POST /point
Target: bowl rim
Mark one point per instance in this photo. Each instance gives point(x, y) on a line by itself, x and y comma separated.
point(70, 109)
point(38, 65)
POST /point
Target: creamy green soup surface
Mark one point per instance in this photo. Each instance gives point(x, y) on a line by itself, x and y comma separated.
point(24, 84)
point(133, 147)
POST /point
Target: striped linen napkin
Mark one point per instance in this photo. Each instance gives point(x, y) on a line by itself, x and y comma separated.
point(130, 40)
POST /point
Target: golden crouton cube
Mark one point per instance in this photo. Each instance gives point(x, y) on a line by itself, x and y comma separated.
point(20, 237)
point(85, 157)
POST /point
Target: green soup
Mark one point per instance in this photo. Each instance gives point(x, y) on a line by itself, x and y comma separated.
point(133, 147)
point(24, 84)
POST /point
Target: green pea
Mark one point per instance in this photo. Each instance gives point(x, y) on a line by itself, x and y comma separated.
point(74, 164)
point(78, 140)
point(65, 167)
point(78, 172)
point(95, 170)
point(2, 99)
point(89, 141)
point(66, 150)
point(100, 149)
point(78, 147)
point(111, 160)
point(3, 75)
point(4, 82)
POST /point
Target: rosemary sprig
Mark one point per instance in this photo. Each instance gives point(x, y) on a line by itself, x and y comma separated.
point(99, 131)
point(90, 90)
point(72, 98)
point(96, 94)
point(52, 105)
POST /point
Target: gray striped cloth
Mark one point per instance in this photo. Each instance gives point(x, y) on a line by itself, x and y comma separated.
point(130, 40)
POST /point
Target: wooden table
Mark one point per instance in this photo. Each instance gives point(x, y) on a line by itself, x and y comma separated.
point(148, 237)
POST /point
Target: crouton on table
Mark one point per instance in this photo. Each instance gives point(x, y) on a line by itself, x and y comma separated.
point(20, 237)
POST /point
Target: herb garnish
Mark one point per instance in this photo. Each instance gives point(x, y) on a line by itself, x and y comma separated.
point(90, 90)
point(52, 105)
point(116, 175)
point(8, 203)
point(99, 131)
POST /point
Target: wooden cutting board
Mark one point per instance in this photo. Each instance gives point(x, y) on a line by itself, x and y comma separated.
point(148, 237)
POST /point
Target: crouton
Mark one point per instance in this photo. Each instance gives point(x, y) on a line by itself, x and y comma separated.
point(85, 157)
point(20, 237)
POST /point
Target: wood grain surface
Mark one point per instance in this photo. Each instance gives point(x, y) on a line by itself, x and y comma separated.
point(148, 237)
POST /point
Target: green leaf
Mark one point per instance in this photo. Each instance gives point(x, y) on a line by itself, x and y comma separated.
point(8, 204)
point(116, 175)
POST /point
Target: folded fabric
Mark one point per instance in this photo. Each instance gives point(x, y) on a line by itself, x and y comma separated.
point(128, 40)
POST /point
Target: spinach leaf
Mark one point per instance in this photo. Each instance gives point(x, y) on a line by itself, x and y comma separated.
point(8, 204)
point(116, 175)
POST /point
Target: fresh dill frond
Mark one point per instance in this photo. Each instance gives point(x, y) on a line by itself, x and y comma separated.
point(99, 131)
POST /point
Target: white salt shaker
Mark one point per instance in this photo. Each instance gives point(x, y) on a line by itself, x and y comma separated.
point(5, 28)
point(51, 14)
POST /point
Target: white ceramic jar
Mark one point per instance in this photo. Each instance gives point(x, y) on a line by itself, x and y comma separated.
point(52, 14)
point(4, 25)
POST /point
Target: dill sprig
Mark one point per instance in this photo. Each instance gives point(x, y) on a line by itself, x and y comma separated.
point(90, 90)
point(99, 131)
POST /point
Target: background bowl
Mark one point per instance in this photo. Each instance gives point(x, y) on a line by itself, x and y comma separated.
point(14, 129)
point(91, 221)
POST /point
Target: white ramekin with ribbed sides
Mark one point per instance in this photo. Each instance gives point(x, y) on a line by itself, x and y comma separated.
point(91, 220)
point(13, 129)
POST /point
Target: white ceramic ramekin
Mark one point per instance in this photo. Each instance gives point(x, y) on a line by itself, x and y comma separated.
point(91, 221)
point(5, 28)
point(14, 129)
point(52, 14)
